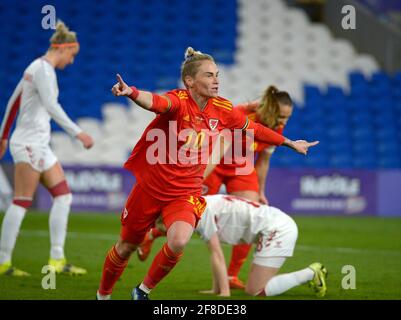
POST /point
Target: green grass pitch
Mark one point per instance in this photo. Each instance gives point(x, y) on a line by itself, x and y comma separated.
point(372, 245)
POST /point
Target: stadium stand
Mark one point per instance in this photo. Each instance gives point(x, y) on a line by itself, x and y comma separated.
point(342, 97)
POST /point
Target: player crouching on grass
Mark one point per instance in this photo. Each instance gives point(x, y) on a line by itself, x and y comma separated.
point(234, 220)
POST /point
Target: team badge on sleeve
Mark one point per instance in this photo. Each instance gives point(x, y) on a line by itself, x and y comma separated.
point(213, 123)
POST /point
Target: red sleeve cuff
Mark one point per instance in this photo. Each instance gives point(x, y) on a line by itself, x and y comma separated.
point(134, 94)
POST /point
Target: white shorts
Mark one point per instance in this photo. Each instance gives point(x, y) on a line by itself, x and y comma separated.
point(276, 241)
point(41, 158)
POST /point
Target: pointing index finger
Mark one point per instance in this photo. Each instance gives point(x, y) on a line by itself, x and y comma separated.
point(119, 79)
point(311, 144)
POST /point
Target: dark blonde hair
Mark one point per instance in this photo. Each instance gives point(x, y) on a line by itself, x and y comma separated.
point(62, 35)
point(268, 110)
point(192, 62)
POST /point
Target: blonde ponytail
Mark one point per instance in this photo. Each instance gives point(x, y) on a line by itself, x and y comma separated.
point(268, 110)
point(189, 53)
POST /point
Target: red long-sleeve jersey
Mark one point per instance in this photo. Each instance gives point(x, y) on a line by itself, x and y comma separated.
point(170, 157)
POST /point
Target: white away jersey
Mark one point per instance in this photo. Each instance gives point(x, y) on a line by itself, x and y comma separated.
point(36, 98)
point(237, 220)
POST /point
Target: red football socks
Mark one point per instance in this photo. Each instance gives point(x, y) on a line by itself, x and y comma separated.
point(113, 267)
point(238, 257)
point(162, 264)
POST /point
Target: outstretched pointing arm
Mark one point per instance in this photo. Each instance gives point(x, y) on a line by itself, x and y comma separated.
point(145, 99)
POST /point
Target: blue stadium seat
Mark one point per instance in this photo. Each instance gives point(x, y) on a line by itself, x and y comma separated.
point(341, 161)
point(314, 160)
point(365, 162)
point(363, 133)
point(340, 146)
point(359, 85)
point(364, 119)
point(310, 118)
point(293, 128)
point(364, 147)
point(357, 78)
point(334, 104)
point(389, 162)
point(397, 106)
point(288, 158)
point(380, 78)
point(337, 117)
point(340, 132)
point(385, 119)
point(312, 93)
point(129, 39)
point(380, 91)
point(397, 80)
point(388, 147)
point(382, 104)
point(357, 104)
point(396, 92)
point(334, 93)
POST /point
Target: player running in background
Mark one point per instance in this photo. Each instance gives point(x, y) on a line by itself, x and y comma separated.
point(235, 220)
point(169, 180)
point(36, 100)
point(273, 111)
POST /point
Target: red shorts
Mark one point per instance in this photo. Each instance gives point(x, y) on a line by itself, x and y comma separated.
point(234, 183)
point(141, 211)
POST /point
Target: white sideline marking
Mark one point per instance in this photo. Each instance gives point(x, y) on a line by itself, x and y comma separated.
point(300, 247)
point(88, 235)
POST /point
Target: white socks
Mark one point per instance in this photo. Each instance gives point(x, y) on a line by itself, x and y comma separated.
point(9, 231)
point(58, 220)
point(144, 288)
point(284, 282)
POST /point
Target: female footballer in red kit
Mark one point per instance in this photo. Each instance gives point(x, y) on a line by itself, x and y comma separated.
point(169, 182)
point(273, 111)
